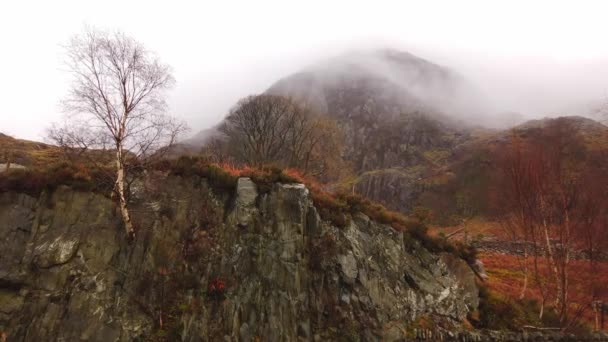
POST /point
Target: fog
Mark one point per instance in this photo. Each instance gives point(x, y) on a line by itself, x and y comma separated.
point(538, 59)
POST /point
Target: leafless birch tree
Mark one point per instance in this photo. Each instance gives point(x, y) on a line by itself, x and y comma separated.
point(117, 98)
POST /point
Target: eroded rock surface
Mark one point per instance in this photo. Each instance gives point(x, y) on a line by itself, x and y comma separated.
point(210, 266)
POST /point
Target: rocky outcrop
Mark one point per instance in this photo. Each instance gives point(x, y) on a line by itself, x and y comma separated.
point(212, 265)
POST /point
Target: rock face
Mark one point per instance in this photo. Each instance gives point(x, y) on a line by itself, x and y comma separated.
point(209, 265)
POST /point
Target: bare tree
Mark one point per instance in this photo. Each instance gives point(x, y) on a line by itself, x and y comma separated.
point(258, 128)
point(521, 223)
point(270, 129)
point(554, 199)
point(216, 150)
point(117, 99)
point(77, 138)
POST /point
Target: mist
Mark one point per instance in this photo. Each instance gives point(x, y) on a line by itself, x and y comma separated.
point(535, 60)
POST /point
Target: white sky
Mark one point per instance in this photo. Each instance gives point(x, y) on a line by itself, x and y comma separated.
point(530, 56)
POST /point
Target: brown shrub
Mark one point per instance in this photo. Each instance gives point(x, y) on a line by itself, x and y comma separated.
point(78, 176)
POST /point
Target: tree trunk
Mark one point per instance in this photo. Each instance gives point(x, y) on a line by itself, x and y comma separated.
point(120, 188)
point(525, 285)
point(542, 309)
point(552, 261)
point(566, 262)
point(553, 266)
point(466, 234)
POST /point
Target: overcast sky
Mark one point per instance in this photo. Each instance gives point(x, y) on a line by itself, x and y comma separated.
point(534, 57)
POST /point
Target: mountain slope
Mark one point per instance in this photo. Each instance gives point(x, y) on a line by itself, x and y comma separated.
point(382, 83)
point(27, 153)
point(473, 176)
point(390, 104)
point(401, 115)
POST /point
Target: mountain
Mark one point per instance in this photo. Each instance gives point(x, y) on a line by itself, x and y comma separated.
point(386, 101)
point(582, 125)
point(401, 115)
point(201, 138)
point(238, 261)
point(382, 83)
point(410, 126)
point(367, 87)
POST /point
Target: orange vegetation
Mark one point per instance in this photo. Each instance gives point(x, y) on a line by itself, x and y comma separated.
point(506, 278)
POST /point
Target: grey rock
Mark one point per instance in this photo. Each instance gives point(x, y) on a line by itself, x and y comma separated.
point(68, 272)
point(246, 194)
point(56, 252)
point(348, 264)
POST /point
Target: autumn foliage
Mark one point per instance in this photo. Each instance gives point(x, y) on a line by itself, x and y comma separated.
point(553, 191)
point(216, 288)
point(505, 284)
point(77, 175)
point(270, 129)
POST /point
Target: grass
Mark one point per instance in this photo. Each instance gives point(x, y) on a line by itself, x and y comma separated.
point(35, 181)
point(28, 153)
point(225, 176)
point(505, 283)
point(498, 311)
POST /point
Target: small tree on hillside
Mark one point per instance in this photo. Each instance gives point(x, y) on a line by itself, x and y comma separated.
point(270, 129)
point(117, 97)
point(258, 128)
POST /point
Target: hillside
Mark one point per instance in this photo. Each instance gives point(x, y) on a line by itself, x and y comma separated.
point(387, 103)
point(27, 153)
point(402, 117)
point(364, 85)
point(411, 127)
point(472, 176)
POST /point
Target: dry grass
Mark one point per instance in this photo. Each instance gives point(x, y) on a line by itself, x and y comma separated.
point(477, 226)
point(79, 176)
point(506, 279)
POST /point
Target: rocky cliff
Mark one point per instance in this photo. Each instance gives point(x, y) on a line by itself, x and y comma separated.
point(254, 265)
